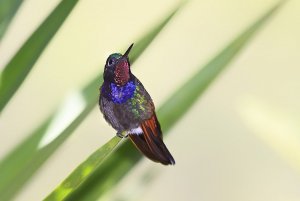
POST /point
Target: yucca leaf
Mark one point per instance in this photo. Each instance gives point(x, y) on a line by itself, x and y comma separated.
point(83, 170)
point(8, 9)
point(19, 165)
point(20, 65)
point(115, 167)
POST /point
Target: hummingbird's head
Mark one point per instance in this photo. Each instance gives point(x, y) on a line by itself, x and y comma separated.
point(117, 68)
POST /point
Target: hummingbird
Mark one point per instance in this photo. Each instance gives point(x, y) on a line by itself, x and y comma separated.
point(129, 109)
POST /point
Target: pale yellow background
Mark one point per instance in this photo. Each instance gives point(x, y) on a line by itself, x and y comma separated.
point(239, 142)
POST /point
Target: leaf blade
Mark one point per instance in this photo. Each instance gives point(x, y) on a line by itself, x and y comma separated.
point(83, 170)
point(208, 73)
point(8, 9)
point(20, 65)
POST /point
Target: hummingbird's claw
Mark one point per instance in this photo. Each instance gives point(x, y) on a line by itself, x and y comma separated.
point(122, 134)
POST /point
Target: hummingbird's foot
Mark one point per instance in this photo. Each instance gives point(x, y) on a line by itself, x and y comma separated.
point(122, 134)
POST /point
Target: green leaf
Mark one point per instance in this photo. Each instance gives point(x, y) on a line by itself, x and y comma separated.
point(8, 9)
point(121, 161)
point(20, 65)
point(83, 170)
point(26, 158)
point(179, 103)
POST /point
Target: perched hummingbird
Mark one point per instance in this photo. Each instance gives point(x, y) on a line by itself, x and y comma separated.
point(128, 108)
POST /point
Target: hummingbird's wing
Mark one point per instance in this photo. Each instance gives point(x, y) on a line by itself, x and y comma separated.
point(150, 142)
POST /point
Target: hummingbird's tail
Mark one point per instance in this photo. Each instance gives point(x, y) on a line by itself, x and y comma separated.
point(150, 142)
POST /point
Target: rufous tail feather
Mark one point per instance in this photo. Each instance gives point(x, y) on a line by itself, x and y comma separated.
point(150, 142)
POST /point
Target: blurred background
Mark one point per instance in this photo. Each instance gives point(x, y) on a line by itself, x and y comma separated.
point(240, 141)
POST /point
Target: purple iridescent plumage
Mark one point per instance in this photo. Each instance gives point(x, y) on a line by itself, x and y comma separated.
point(120, 94)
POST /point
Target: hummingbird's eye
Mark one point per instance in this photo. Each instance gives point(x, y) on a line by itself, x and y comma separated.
point(111, 61)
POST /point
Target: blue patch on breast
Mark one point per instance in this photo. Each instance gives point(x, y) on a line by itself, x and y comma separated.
point(120, 94)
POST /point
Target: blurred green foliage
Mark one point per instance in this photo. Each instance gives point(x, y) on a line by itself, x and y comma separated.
point(105, 167)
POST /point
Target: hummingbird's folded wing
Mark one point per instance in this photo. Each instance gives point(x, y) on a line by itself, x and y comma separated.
point(150, 142)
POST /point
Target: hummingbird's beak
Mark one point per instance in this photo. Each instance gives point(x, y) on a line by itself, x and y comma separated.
point(127, 51)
